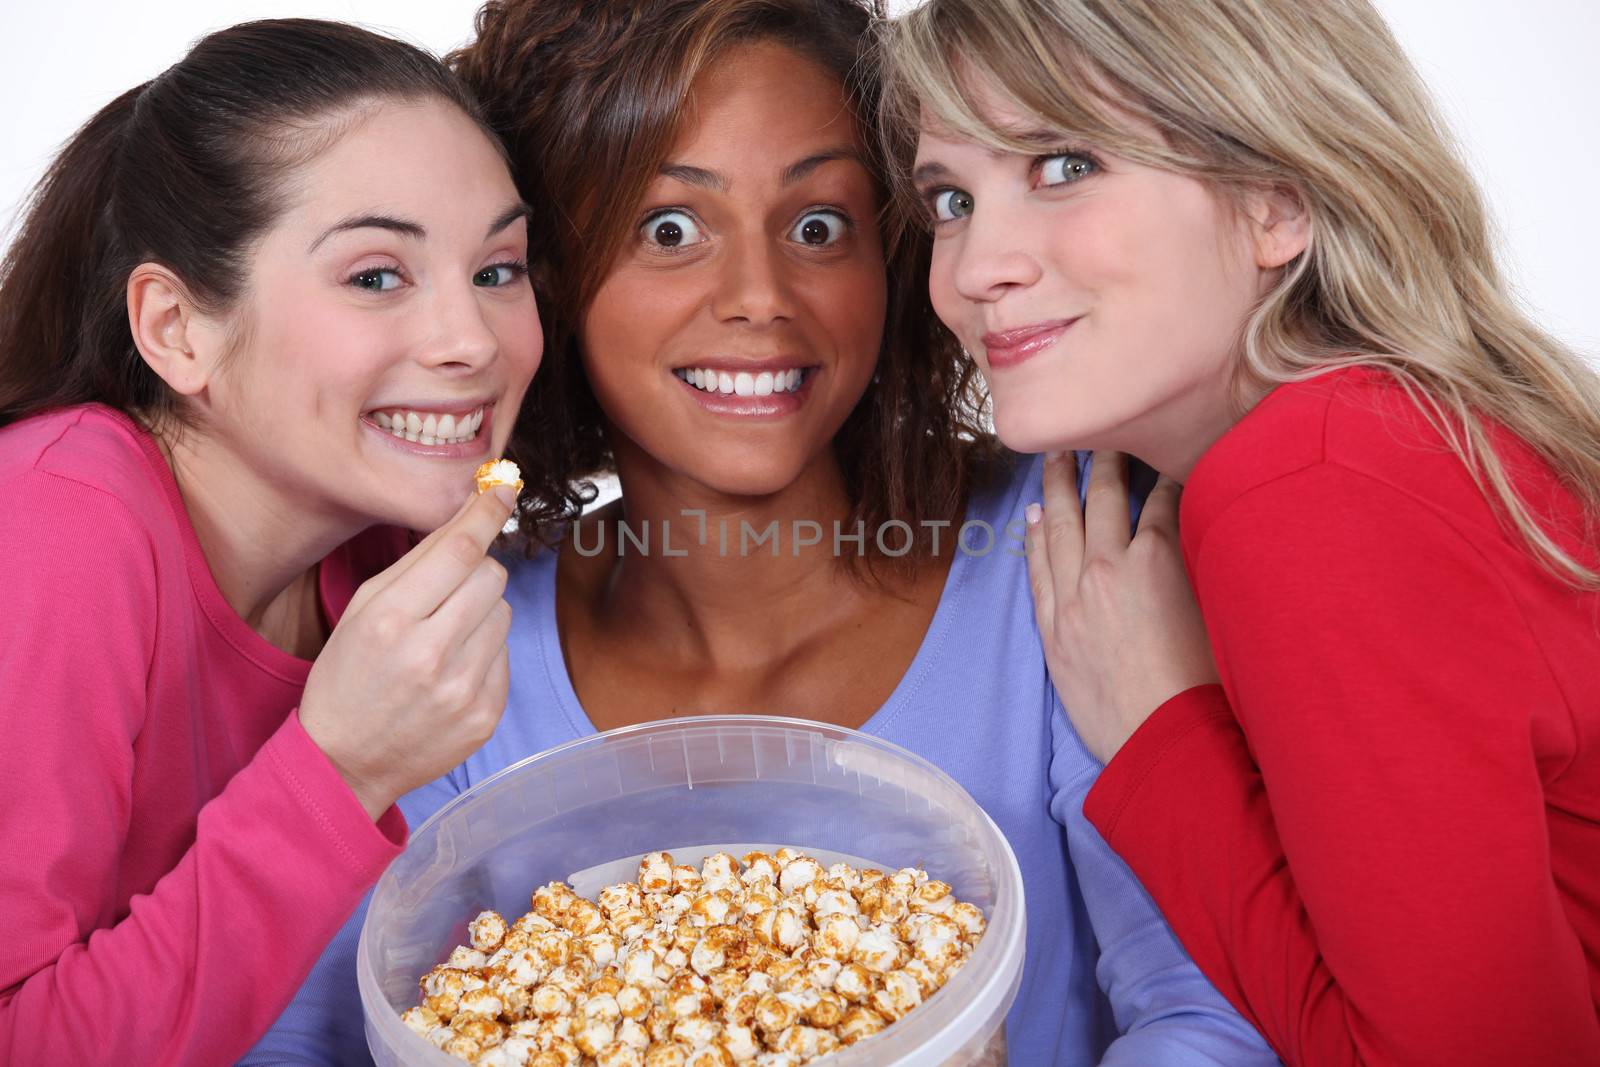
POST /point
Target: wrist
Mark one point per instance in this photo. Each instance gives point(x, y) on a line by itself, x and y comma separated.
point(373, 795)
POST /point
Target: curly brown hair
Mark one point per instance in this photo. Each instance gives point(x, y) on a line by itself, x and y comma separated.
point(588, 96)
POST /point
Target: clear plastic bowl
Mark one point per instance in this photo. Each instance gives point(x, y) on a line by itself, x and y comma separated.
point(691, 787)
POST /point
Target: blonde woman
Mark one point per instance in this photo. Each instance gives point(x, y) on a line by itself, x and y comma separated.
point(1228, 237)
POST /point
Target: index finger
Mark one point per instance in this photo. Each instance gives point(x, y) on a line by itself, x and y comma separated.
point(444, 559)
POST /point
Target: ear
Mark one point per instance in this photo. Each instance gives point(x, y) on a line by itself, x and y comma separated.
point(169, 330)
point(1280, 227)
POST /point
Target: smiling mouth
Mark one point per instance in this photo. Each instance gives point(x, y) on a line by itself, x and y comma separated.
point(744, 383)
point(430, 427)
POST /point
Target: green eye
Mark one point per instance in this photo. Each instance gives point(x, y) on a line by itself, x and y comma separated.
point(377, 280)
point(1066, 168)
point(499, 274)
point(950, 204)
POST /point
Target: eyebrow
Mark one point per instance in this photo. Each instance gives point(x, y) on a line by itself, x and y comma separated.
point(928, 172)
point(708, 179)
point(404, 227)
point(415, 230)
point(516, 211)
point(1041, 139)
point(797, 171)
point(794, 172)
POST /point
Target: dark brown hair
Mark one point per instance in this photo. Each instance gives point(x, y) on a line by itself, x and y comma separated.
point(588, 96)
point(185, 170)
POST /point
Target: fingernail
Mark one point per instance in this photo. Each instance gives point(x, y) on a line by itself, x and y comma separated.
point(1034, 513)
point(506, 495)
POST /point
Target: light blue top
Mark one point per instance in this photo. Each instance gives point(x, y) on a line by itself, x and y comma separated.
point(977, 702)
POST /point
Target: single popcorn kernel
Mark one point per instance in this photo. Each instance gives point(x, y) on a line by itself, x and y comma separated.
point(487, 931)
point(860, 1023)
point(498, 472)
point(655, 872)
point(666, 1054)
point(618, 1054)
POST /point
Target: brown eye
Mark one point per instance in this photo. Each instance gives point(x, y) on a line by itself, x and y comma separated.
point(672, 229)
point(819, 228)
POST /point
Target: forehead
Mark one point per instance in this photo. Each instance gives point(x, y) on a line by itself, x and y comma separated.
point(424, 158)
point(763, 103)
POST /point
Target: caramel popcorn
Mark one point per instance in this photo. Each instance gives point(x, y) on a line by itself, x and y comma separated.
point(498, 472)
point(760, 961)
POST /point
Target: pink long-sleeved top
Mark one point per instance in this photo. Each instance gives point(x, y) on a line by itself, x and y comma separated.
point(174, 849)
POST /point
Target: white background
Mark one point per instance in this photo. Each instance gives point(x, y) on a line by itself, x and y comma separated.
point(1519, 83)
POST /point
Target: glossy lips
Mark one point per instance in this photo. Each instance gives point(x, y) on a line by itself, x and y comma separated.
point(1007, 348)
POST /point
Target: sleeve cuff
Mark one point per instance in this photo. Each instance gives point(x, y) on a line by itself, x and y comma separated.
point(1142, 757)
point(367, 846)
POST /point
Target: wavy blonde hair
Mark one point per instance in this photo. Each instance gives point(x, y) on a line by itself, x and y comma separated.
point(1313, 96)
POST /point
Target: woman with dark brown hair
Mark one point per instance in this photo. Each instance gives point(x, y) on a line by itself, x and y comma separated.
point(812, 521)
point(223, 659)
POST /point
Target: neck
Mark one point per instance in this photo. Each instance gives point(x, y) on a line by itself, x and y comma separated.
point(261, 545)
point(1173, 438)
point(705, 585)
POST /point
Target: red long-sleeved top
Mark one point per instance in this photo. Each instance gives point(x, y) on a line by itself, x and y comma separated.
point(1380, 837)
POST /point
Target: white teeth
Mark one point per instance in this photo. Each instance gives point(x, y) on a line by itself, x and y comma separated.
point(430, 428)
point(742, 383)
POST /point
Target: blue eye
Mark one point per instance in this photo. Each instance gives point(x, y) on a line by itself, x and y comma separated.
point(951, 204)
point(376, 280)
point(672, 229)
point(819, 228)
point(500, 274)
point(1066, 168)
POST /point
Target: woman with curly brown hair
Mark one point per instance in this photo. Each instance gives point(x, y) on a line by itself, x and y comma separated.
point(812, 521)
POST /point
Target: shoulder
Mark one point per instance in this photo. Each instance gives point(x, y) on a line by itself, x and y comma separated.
point(1007, 485)
point(77, 454)
point(1350, 440)
point(81, 501)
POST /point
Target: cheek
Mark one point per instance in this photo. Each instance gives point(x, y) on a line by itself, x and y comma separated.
point(323, 355)
point(850, 306)
point(942, 294)
point(520, 338)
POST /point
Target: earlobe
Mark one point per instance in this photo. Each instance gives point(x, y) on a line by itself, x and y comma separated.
point(163, 319)
point(1280, 225)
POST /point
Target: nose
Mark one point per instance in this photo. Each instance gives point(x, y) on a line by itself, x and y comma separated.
point(460, 338)
point(992, 257)
point(752, 284)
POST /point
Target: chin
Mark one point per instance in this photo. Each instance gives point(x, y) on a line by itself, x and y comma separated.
point(756, 480)
point(1031, 429)
point(428, 512)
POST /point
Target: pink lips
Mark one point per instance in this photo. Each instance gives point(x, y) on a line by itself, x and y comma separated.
point(1007, 348)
